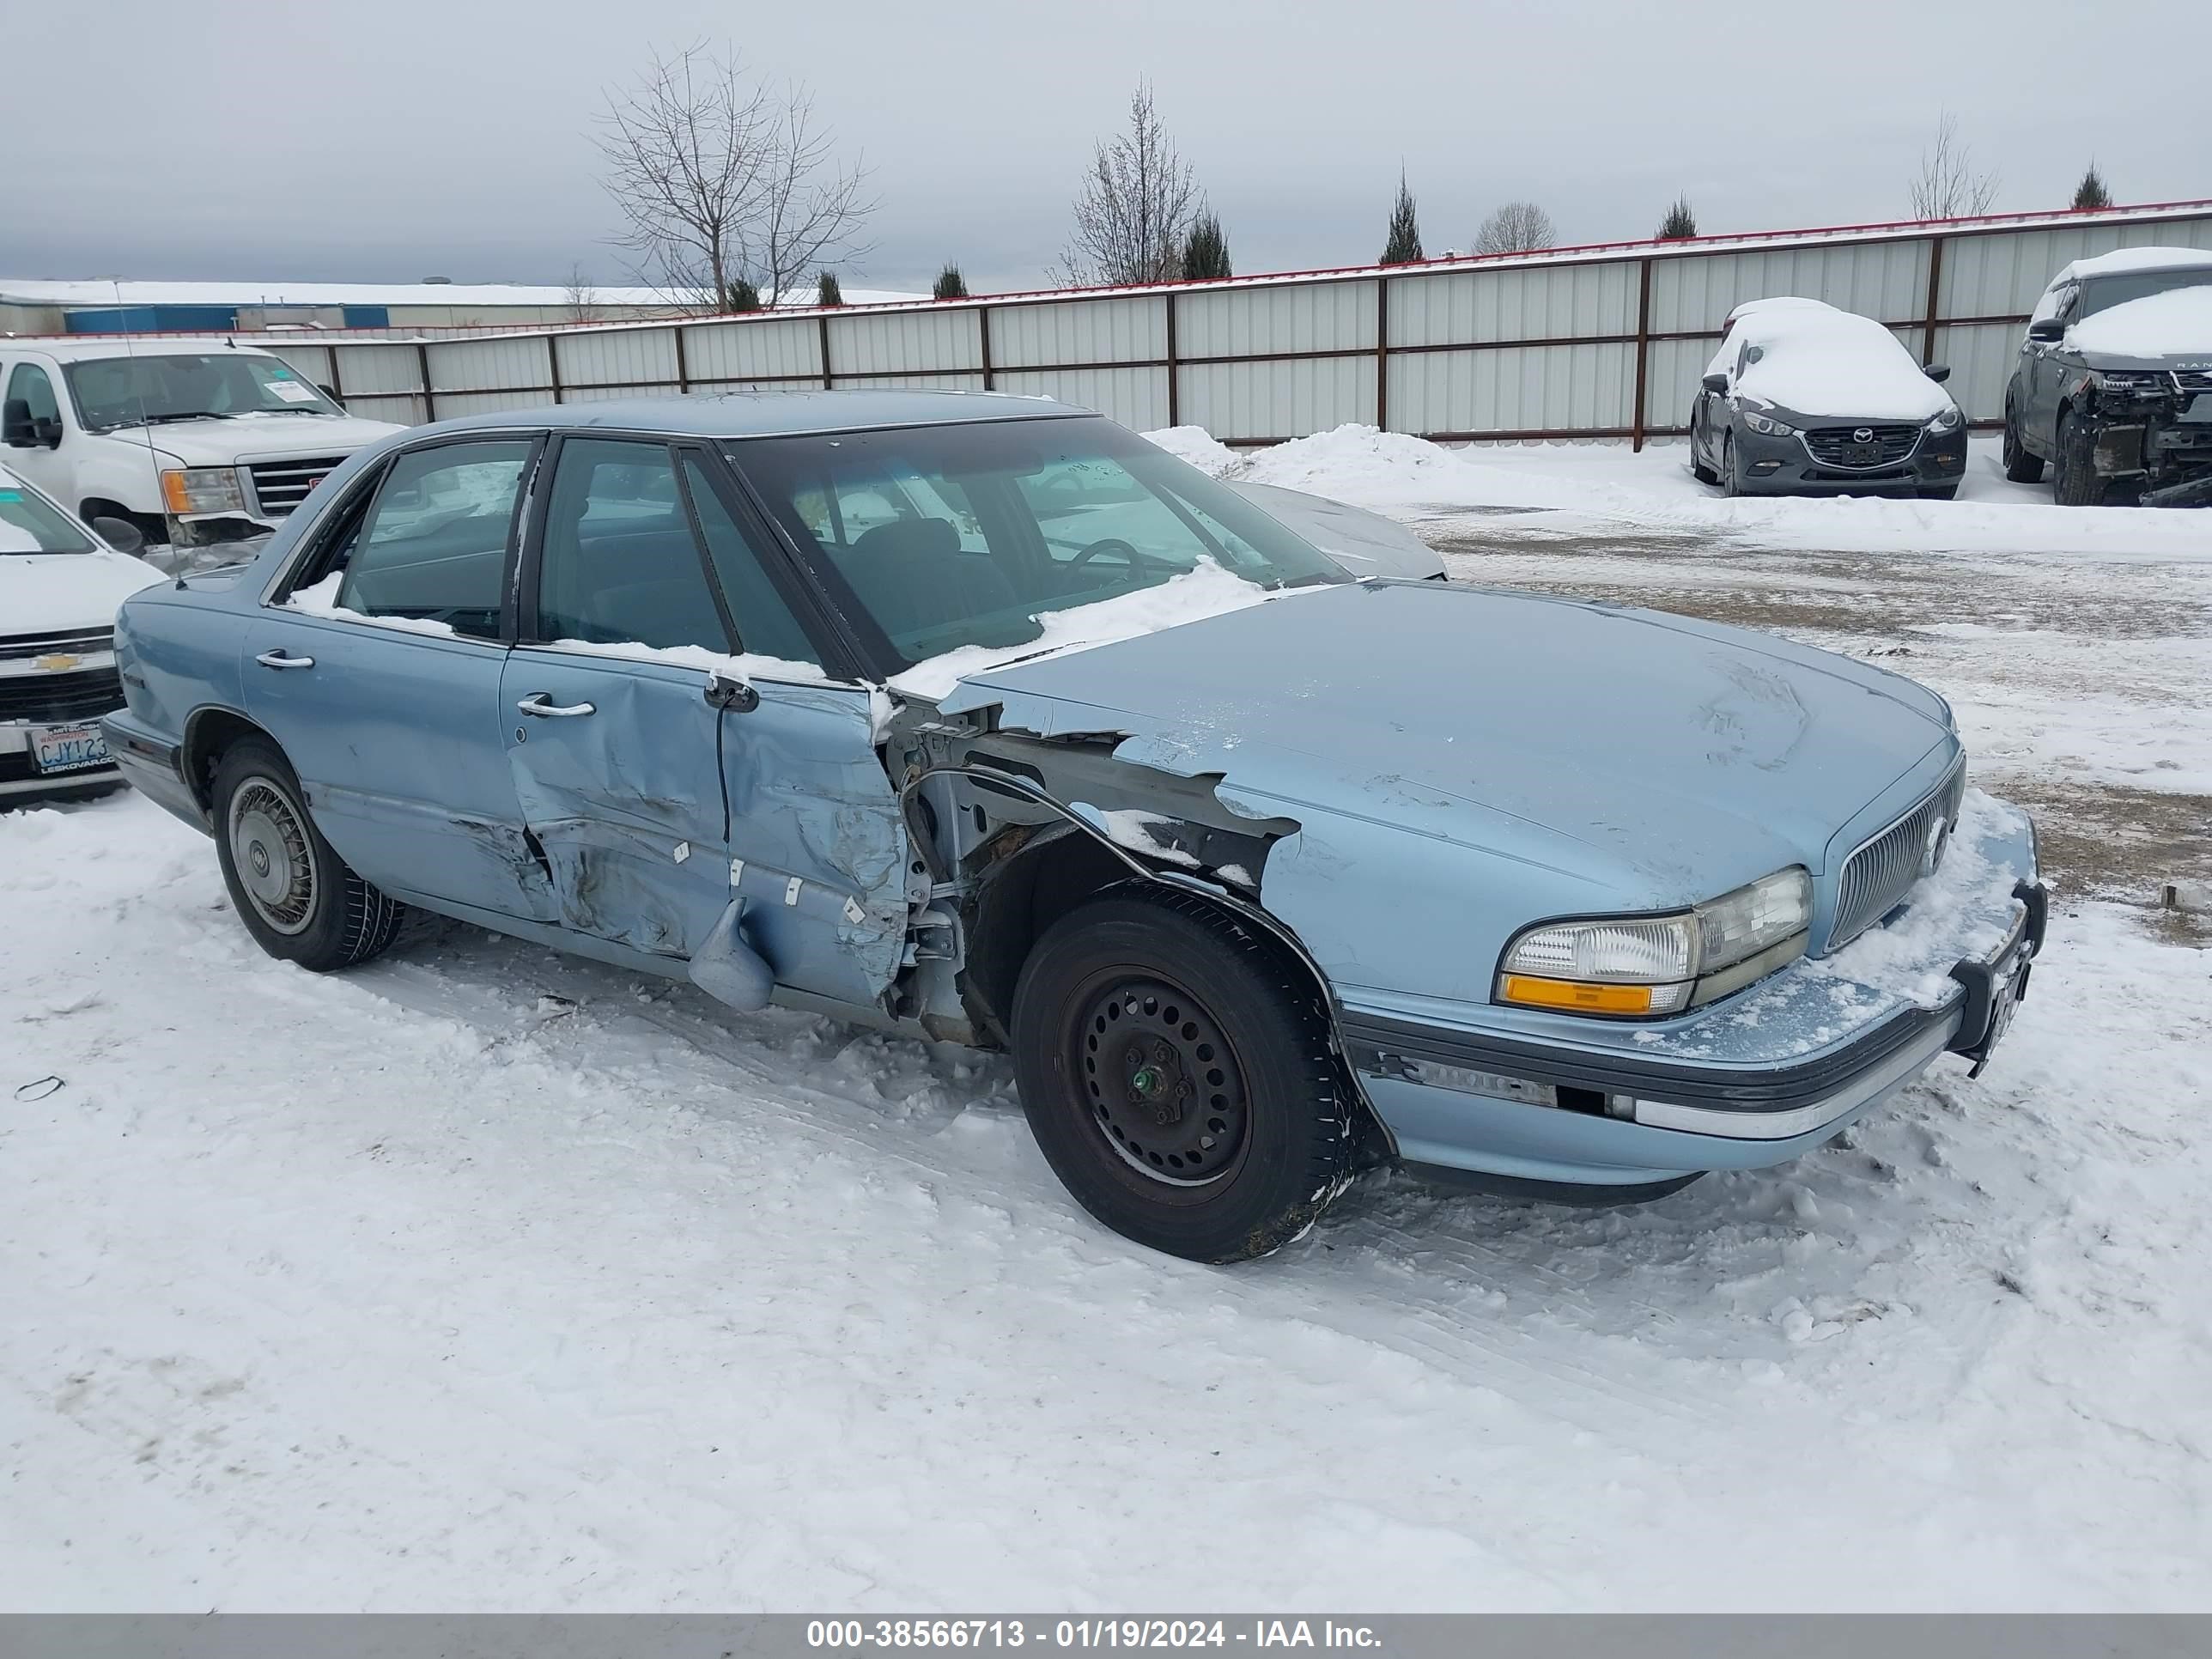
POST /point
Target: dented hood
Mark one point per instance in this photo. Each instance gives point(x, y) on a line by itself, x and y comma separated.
point(1649, 753)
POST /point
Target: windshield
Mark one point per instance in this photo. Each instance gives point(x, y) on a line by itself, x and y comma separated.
point(112, 392)
point(950, 535)
point(29, 523)
point(2103, 293)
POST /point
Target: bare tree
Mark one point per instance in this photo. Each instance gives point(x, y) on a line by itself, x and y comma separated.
point(1947, 187)
point(1515, 228)
point(724, 180)
point(580, 300)
point(1136, 207)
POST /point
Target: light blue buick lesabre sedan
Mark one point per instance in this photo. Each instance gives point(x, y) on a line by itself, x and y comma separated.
point(981, 719)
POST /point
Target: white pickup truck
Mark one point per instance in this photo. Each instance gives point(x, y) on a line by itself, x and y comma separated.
point(190, 441)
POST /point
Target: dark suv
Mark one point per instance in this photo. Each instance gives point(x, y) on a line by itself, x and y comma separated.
point(2113, 388)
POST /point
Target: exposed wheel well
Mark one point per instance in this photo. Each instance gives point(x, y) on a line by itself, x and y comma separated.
point(151, 525)
point(207, 734)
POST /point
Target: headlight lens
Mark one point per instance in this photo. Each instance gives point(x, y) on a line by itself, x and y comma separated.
point(1949, 421)
point(202, 490)
point(1648, 965)
point(2127, 381)
point(1768, 424)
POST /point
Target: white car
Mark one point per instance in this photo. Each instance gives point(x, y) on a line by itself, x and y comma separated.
point(1365, 544)
point(190, 441)
point(59, 586)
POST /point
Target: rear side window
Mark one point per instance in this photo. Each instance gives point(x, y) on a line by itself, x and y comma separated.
point(433, 544)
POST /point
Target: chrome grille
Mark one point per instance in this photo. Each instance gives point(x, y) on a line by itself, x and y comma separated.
point(2192, 380)
point(1877, 877)
point(280, 486)
point(75, 642)
point(60, 699)
point(1842, 446)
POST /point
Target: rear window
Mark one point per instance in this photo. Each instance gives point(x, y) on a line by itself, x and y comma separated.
point(31, 524)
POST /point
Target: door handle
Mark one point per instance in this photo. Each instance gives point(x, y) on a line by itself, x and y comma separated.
point(278, 659)
point(541, 704)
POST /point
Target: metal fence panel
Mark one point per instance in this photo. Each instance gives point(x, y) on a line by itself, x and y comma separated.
point(904, 341)
point(453, 405)
point(645, 357)
point(1981, 356)
point(313, 361)
point(2004, 275)
point(1265, 400)
point(1886, 281)
point(913, 382)
point(765, 349)
point(400, 408)
point(1670, 381)
point(1113, 330)
point(1533, 389)
point(491, 364)
point(1543, 302)
point(365, 370)
point(1138, 397)
point(1294, 317)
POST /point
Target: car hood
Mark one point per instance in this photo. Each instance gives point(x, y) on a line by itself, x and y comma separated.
point(1664, 757)
point(2166, 331)
point(1365, 544)
point(58, 592)
point(260, 437)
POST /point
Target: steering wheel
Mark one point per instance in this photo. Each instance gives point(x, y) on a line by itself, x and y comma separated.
point(1112, 545)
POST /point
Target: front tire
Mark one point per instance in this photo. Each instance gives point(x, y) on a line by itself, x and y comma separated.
point(2019, 466)
point(299, 899)
point(1176, 1069)
point(2074, 482)
point(1731, 483)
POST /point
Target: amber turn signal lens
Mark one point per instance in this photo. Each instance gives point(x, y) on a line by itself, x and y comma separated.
point(1577, 996)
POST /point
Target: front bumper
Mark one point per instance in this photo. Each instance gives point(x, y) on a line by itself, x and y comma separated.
point(1751, 1080)
point(1784, 467)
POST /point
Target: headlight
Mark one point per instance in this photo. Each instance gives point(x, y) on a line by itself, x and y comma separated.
point(1949, 421)
point(202, 490)
point(1644, 965)
point(1768, 424)
point(2127, 382)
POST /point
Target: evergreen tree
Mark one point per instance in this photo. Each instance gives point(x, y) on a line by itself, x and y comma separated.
point(2091, 192)
point(826, 291)
point(742, 296)
point(1680, 223)
point(1206, 252)
point(949, 284)
point(1404, 245)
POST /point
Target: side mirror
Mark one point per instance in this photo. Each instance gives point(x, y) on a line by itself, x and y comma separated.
point(2048, 330)
point(1715, 383)
point(1938, 372)
point(47, 430)
point(120, 534)
point(15, 429)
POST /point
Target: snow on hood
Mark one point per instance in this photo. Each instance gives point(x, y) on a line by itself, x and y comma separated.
point(56, 592)
point(256, 437)
point(2177, 324)
point(1818, 360)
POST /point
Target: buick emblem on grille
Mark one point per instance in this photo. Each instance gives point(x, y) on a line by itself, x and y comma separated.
point(1939, 841)
point(1864, 436)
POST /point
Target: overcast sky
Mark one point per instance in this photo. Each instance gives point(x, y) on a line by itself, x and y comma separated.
point(395, 140)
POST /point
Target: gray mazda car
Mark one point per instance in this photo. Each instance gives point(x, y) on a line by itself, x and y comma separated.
point(1804, 400)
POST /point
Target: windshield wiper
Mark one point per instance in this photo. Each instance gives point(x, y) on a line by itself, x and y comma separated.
point(164, 420)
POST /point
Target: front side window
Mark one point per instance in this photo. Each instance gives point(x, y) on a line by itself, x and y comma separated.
point(619, 565)
point(114, 391)
point(964, 535)
point(29, 523)
point(30, 386)
point(433, 546)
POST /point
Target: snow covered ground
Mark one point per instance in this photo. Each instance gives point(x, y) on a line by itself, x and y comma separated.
point(485, 1279)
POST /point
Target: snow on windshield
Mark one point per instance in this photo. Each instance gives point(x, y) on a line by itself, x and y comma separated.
point(1815, 360)
point(2178, 321)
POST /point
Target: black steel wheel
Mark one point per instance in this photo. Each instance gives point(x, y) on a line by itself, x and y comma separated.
point(2019, 466)
point(1176, 1067)
point(1731, 482)
point(297, 897)
point(2073, 480)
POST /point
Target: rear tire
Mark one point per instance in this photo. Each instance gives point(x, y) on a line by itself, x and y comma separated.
point(2019, 466)
point(299, 899)
point(1176, 1069)
point(2073, 481)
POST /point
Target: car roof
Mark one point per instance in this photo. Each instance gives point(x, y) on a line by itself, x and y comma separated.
point(2124, 259)
point(96, 347)
point(771, 414)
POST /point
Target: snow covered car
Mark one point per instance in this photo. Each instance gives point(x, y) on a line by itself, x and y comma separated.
point(1804, 400)
point(2113, 386)
point(192, 443)
point(1365, 544)
point(59, 586)
point(1255, 871)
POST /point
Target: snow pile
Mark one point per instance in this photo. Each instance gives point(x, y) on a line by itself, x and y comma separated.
point(1816, 360)
point(1206, 591)
point(2177, 323)
point(1195, 446)
point(1364, 465)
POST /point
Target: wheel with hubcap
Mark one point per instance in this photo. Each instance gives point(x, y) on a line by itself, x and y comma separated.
point(2019, 466)
point(1176, 1069)
point(297, 897)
